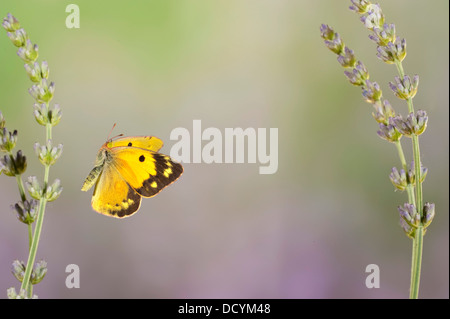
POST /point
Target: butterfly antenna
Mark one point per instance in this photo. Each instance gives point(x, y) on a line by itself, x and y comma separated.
point(110, 139)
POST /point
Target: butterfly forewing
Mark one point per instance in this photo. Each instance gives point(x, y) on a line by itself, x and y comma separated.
point(150, 143)
point(145, 171)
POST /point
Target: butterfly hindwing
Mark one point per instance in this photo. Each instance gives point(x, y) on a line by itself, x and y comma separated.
point(113, 196)
point(147, 172)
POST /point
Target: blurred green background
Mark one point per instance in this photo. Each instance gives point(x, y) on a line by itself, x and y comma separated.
point(223, 230)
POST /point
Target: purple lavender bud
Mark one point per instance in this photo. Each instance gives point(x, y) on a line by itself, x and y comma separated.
point(413, 124)
point(34, 71)
point(428, 214)
point(10, 23)
point(348, 60)
point(383, 111)
point(421, 119)
point(398, 178)
point(405, 127)
point(8, 140)
point(360, 6)
point(44, 70)
point(326, 32)
point(382, 36)
point(372, 92)
point(412, 173)
point(332, 39)
point(358, 75)
point(374, 18)
point(29, 52)
point(42, 92)
point(26, 211)
point(405, 88)
point(388, 132)
point(18, 37)
point(392, 52)
point(409, 214)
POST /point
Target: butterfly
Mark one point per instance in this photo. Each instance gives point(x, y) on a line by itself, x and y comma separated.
point(127, 169)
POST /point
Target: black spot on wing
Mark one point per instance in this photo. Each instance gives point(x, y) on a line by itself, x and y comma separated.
point(154, 184)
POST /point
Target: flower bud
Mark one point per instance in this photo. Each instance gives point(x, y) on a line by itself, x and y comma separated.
point(374, 18)
point(42, 92)
point(47, 115)
point(39, 272)
point(54, 115)
point(10, 23)
point(37, 72)
point(405, 88)
point(29, 52)
point(372, 92)
point(48, 154)
point(428, 214)
point(412, 173)
point(332, 39)
point(33, 187)
point(409, 214)
point(53, 191)
point(383, 111)
point(348, 60)
point(13, 166)
point(8, 140)
point(44, 70)
point(421, 121)
point(18, 269)
point(398, 178)
point(382, 36)
point(392, 52)
point(359, 74)
point(12, 294)
point(388, 132)
point(26, 211)
point(360, 6)
point(413, 124)
point(18, 38)
point(20, 162)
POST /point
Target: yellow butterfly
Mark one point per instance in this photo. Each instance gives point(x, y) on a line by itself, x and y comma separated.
point(127, 169)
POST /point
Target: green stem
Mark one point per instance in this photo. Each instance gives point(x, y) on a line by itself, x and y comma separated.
point(34, 244)
point(26, 285)
point(400, 70)
point(416, 263)
point(24, 198)
point(30, 236)
point(416, 260)
point(48, 130)
point(409, 187)
point(21, 188)
point(417, 169)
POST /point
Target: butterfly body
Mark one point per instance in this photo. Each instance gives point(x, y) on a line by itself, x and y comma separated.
point(127, 169)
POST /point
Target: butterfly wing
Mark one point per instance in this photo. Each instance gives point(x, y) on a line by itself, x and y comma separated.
point(146, 171)
point(128, 168)
point(113, 196)
point(150, 143)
